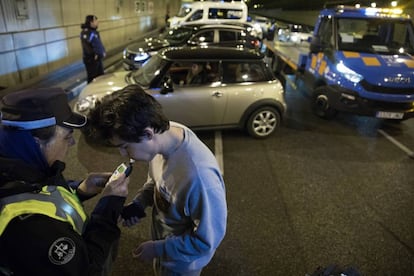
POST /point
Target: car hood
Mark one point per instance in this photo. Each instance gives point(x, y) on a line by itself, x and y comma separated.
point(381, 70)
point(149, 44)
point(105, 84)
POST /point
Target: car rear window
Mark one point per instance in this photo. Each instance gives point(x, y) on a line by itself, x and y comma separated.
point(237, 72)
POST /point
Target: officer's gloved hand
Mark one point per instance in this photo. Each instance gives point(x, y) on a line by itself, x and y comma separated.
point(132, 213)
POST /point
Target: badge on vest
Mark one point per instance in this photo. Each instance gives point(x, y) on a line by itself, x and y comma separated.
point(62, 251)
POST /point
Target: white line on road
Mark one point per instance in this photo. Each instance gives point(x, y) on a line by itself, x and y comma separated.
point(409, 152)
point(218, 150)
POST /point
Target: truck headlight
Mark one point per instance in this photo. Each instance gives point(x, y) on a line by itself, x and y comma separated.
point(86, 103)
point(348, 73)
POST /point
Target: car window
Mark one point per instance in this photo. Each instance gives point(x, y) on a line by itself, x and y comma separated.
point(193, 73)
point(198, 14)
point(227, 36)
point(177, 35)
point(203, 37)
point(237, 72)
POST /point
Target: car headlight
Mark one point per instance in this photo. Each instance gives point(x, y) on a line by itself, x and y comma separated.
point(348, 73)
point(86, 103)
point(141, 57)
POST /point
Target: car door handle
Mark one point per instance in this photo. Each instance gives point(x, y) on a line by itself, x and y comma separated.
point(217, 94)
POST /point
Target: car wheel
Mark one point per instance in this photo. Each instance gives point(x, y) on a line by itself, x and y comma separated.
point(263, 122)
point(320, 104)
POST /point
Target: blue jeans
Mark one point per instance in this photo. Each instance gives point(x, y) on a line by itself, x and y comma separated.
point(163, 271)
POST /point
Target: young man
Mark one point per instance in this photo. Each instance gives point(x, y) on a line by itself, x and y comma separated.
point(43, 227)
point(184, 186)
point(92, 48)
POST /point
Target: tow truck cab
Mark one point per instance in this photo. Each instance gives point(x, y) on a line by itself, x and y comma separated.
point(361, 61)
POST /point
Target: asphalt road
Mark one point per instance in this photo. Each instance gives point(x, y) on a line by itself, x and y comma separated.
point(316, 193)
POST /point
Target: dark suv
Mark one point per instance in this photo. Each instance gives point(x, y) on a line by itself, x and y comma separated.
point(237, 88)
point(192, 35)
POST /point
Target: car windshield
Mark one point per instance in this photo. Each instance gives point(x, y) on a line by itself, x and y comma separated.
point(376, 36)
point(148, 71)
point(184, 10)
point(177, 35)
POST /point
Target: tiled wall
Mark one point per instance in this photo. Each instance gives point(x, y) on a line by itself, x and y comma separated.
point(40, 36)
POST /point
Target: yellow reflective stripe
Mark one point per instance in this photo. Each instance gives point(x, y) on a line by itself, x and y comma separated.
point(322, 67)
point(12, 210)
point(348, 54)
point(74, 201)
point(409, 63)
point(313, 64)
point(371, 61)
point(53, 201)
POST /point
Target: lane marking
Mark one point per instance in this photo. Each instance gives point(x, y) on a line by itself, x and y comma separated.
point(409, 152)
point(218, 150)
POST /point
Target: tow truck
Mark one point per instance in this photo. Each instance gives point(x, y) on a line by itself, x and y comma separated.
point(358, 60)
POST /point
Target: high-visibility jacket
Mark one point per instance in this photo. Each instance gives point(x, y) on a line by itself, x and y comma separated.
point(53, 201)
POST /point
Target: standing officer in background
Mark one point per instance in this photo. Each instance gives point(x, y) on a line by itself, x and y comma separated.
point(92, 48)
point(43, 227)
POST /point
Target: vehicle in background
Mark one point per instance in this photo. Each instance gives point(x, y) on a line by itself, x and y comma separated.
point(263, 22)
point(209, 12)
point(135, 55)
point(360, 60)
point(237, 90)
point(294, 33)
point(252, 29)
point(299, 33)
point(283, 33)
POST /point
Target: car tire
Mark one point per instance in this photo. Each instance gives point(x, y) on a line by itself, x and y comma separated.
point(320, 104)
point(263, 122)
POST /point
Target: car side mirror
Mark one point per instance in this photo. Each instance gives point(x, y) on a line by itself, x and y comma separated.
point(167, 86)
point(316, 45)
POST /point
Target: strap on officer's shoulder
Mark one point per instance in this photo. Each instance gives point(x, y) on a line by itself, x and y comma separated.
point(18, 187)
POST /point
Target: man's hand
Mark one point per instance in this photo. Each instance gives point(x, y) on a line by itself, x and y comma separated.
point(146, 251)
point(132, 213)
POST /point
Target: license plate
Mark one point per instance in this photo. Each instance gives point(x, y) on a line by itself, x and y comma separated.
point(389, 115)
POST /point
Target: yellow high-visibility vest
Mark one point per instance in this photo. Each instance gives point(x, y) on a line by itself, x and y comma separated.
point(52, 201)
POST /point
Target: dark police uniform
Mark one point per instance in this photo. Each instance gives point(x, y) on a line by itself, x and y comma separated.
point(48, 234)
point(93, 51)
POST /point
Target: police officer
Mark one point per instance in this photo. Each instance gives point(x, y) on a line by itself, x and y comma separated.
point(92, 48)
point(44, 229)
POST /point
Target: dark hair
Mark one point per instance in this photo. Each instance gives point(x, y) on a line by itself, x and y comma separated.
point(89, 18)
point(126, 113)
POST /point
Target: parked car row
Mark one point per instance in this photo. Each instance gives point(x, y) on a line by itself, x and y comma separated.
point(227, 35)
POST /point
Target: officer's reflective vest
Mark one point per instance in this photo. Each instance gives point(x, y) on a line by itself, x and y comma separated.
point(52, 201)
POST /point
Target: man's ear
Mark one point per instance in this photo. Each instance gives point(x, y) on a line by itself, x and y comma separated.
point(148, 133)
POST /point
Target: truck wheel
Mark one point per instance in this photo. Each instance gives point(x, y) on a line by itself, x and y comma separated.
point(321, 106)
point(263, 122)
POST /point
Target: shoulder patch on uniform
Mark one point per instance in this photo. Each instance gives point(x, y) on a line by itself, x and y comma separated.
point(62, 251)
